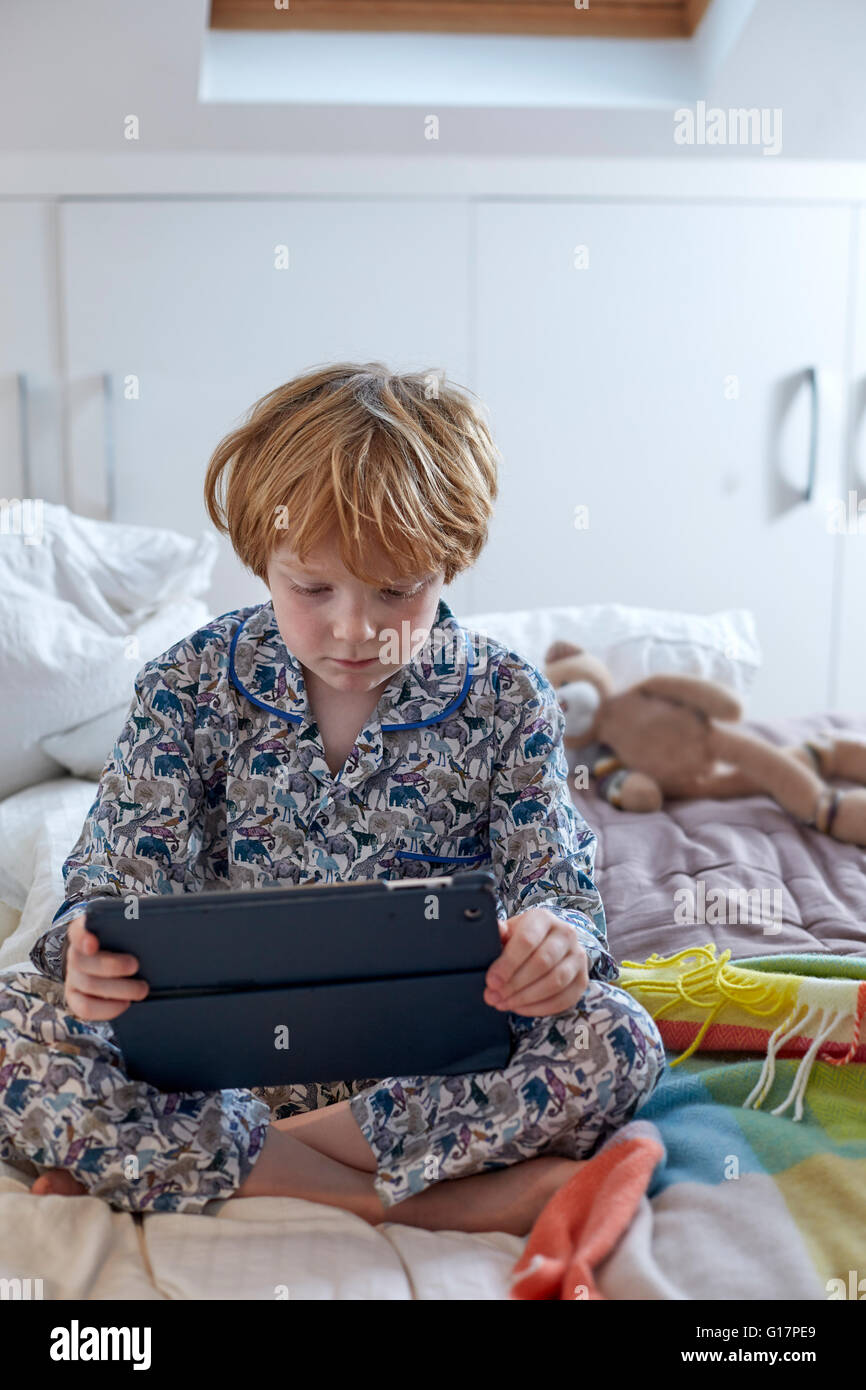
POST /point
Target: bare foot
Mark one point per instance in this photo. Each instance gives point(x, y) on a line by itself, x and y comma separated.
point(59, 1182)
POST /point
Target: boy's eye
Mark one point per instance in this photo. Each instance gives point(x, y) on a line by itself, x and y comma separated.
point(391, 593)
point(408, 593)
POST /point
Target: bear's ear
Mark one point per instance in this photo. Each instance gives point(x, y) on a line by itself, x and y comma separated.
point(559, 649)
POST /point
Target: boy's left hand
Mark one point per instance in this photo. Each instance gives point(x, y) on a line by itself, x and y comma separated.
point(543, 969)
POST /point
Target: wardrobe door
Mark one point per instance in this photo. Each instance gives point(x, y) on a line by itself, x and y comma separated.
point(649, 372)
point(31, 454)
point(849, 512)
point(182, 313)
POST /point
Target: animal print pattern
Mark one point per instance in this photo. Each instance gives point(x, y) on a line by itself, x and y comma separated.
point(217, 780)
point(66, 1102)
point(572, 1079)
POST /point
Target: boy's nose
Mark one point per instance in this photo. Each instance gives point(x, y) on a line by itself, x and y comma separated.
point(355, 630)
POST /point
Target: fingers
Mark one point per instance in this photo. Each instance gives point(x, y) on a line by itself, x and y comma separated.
point(97, 983)
point(80, 939)
point(554, 948)
point(93, 1010)
point(534, 925)
point(96, 999)
point(86, 943)
point(84, 953)
point(563, 979)
point(103, 965)
point(97, 987)
point(542, 968)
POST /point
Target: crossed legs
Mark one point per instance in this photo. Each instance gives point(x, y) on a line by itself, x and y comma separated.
point(322, 1156)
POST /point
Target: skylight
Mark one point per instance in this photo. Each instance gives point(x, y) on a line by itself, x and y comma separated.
point(338, 67)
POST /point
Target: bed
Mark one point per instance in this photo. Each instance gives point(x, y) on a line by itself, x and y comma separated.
point(68, 609)
point(288, 1248)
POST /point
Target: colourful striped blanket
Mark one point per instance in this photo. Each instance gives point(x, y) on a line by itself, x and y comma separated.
point(751, 1150)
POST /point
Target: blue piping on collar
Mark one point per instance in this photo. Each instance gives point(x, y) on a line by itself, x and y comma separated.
point(386, 728)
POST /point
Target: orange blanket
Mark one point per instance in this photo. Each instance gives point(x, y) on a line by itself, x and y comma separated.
point(583, 1221)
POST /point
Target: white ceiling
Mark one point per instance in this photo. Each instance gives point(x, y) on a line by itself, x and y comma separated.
point(71, 73)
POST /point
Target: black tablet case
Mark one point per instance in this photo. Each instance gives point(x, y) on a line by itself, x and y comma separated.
point(366, 985)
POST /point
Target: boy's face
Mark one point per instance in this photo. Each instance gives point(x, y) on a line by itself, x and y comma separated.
point(326, 615)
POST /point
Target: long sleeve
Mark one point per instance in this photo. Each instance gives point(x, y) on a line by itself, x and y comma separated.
point(143, 832)
point(543, 851)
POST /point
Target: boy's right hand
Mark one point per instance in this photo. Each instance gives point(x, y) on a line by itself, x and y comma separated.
point(95, 985)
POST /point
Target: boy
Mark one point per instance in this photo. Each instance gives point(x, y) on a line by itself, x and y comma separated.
point(347, 728)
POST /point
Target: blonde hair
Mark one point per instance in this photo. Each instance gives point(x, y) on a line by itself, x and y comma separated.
point(405, 458)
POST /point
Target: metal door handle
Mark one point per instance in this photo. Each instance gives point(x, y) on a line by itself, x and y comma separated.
point(110, 479)
point(24, 432)
point(859, 412)
point(812, 378)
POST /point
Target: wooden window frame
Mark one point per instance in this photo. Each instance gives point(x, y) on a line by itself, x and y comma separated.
point(625, 19)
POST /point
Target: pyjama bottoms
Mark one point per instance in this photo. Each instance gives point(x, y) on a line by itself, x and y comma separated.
point(66, 1102)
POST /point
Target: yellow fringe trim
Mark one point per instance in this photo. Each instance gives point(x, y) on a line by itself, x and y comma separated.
point(712, 983)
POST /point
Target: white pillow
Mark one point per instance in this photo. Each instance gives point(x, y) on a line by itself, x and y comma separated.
point(636, 642)
point(85, 750)
point(83, 605)
point(38, 828)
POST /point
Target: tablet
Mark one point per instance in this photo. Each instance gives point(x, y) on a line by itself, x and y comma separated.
point(318, 982)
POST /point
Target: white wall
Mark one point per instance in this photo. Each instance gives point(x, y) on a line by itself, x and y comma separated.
point(69, 73)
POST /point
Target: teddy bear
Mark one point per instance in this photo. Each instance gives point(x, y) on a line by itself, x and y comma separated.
point(676, 736)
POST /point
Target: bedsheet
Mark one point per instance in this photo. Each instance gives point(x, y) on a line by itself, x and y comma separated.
point(689, 1238)
point(701, 848)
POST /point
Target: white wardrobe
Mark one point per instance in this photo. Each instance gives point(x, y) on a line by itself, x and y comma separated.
point(677, 386)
